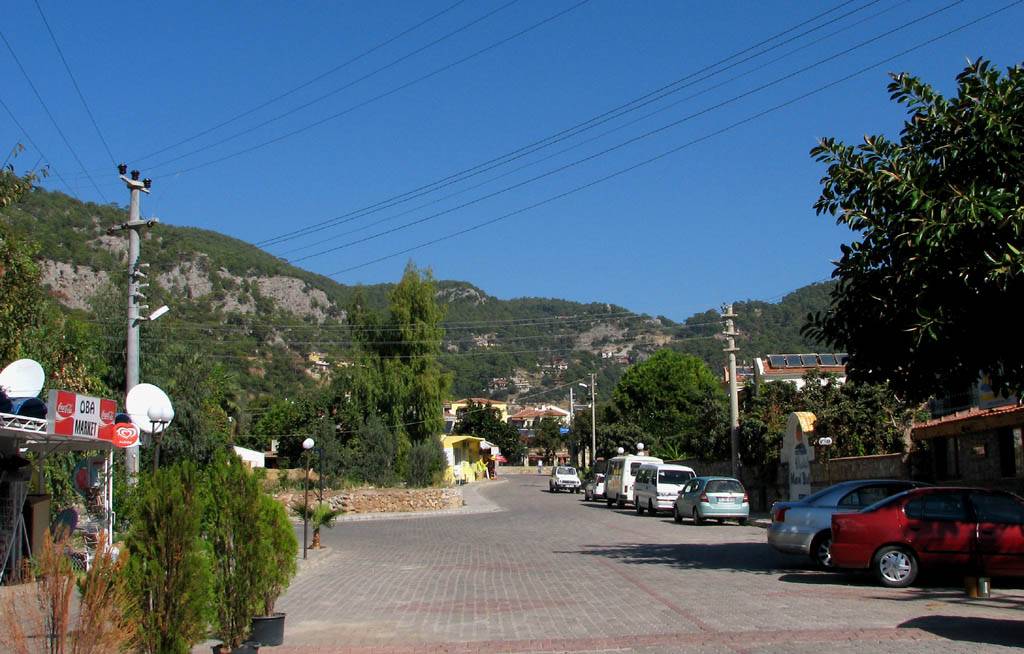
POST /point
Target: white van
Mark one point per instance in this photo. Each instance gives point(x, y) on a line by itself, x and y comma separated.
point(620, 475)
point(657, 485)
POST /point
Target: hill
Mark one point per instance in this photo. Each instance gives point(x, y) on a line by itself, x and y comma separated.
point(269, 322)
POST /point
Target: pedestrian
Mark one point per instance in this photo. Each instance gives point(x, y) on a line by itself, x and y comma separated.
point(540, 467)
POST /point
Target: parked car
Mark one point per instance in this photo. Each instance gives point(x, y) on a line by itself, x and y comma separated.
point(721, 498)
point(594, 489)
point(564, 478)
point(657, 485)
point(620, 476)
point(805, 526)
point(978, 530)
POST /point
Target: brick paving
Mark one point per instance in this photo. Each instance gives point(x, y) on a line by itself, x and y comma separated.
point(550, 573)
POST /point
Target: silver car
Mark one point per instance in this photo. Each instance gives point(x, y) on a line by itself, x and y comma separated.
point(805, 526)
point(594, 490)
point(705, 498)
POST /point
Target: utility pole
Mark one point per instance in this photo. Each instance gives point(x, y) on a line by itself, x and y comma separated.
point(593, 420)
point(572, 430)
point(135, 286)
point(734, 403)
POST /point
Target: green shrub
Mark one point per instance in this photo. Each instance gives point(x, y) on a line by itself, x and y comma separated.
point(280, 537)
point(240, 552)
point(426, 463)
point(169, 566)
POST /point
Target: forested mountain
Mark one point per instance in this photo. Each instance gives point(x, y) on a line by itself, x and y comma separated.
point(267, 322)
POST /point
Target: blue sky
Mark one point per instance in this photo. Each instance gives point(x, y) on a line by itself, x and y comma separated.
point(726, 217)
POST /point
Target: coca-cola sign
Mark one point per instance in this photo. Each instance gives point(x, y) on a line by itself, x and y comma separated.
point(81, 417)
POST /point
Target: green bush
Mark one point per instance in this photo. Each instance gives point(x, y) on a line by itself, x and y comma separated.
point(280, 537)
point(169, 566)
point(426, 463)
point(240, 551)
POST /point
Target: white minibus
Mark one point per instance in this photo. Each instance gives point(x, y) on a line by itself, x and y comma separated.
point(620, 476)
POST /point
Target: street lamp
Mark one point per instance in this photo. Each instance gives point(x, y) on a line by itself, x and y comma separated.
point(160, 415)
point(640, 448)
point(307, 445)
point(622, 450)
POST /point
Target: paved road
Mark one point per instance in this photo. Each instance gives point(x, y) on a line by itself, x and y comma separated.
point(551, 573)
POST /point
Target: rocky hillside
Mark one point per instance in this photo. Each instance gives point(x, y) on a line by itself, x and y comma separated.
point(270, 321)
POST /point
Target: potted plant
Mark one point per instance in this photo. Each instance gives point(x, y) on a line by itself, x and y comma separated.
point(322, 515)
point(277, 532)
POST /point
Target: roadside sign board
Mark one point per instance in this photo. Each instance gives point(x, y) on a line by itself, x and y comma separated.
point(563, 430)
point(80, 416)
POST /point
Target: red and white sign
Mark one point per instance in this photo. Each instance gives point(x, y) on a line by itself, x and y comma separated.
point(80, 416)
point(125, 434)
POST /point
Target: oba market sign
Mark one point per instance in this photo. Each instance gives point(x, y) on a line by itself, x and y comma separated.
point(83, 417)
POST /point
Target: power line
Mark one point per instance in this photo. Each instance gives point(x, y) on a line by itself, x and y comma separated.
point(322, 226)
point(50, 115)
point(32, 142)
point(305, 84)
point(615, 112)
point(467, 324)
point(380, 96)
point(683, 146)
point(622, 144)
point(519, 399)
point(75, 83)
point(337, 90)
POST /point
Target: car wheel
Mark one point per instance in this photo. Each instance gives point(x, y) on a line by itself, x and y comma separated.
point(650, 507)
point(638, 507)
point(743, 522)
point(586, 496)
point(821, 550)
point(675, 514)
point(895, 566)
point(697, 520)
point(609, 501)
point(620, 503)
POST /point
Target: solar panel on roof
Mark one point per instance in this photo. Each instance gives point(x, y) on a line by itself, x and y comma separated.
point(842, 358)
point(809, 359)
point(793, 360)
point(827, 359)
point(776, 361)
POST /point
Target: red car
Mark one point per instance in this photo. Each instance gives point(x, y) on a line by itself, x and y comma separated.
point(972, 528)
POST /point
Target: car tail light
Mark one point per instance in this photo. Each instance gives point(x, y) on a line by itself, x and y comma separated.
point(780, 515)
point(704, 497)
point(746, 498)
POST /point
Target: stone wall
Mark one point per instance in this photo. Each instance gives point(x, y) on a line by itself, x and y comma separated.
point(383, 500)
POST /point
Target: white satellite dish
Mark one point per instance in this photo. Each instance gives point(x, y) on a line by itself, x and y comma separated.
point(145, 400)
point(23, 378)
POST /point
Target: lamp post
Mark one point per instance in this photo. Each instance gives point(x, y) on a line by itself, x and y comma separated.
point(640, 449)
point(307, 445)
point(160, 416)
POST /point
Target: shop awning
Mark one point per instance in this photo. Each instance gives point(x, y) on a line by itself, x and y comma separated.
point(32, 433)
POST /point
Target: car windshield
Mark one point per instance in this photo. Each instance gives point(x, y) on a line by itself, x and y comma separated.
point(724, 486)
point(673, 476)
point(564, 470)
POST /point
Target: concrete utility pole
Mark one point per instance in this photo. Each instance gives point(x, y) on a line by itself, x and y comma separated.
point(593, 420)
point(135, 286)
point(734, 403)
point(572, 416)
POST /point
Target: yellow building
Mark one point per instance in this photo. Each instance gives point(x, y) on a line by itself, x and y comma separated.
point(464, 463)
